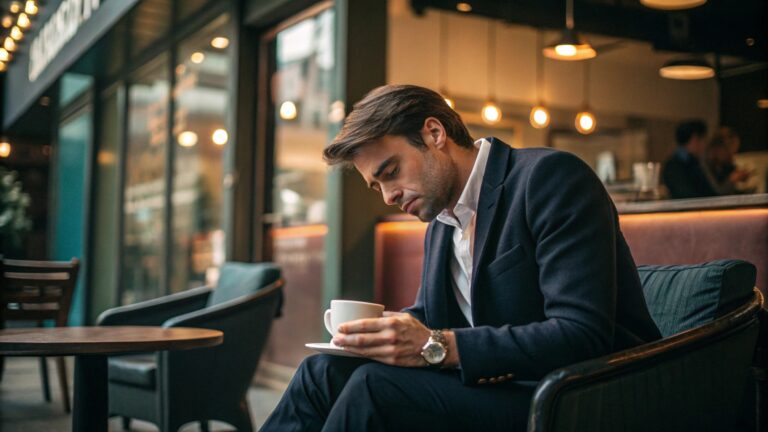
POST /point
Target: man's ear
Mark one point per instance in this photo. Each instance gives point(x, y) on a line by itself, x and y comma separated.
point(433, 133)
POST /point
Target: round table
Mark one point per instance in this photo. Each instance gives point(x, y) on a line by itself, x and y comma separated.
point(91, 346)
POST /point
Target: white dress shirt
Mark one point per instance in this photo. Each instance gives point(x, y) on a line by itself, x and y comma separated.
point(463, 220)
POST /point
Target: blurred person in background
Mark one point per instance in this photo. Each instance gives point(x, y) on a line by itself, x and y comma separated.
point(725, 175)
point(684, 173)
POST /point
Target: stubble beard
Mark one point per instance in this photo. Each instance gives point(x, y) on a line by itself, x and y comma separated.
point(438, 182)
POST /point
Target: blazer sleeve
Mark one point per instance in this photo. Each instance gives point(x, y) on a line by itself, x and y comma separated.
point(573, 223)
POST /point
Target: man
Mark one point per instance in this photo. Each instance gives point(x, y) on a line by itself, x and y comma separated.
point(525, 270)
point(683, 173)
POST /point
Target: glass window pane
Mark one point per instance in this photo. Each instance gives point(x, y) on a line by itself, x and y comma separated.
point(72, 86)
point(302, 89)
point(145, 183)
point(201, 140)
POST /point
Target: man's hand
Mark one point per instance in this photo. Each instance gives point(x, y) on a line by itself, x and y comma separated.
point(396, 339)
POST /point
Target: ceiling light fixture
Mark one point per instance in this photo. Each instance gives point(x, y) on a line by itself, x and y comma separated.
point(220, 42)
point(197, 57)
point(491, 113)
point(539, 117)
point(672, 4)
point(571, 46)
point(687, 69)
point(585, 121)
point(463, 7)
point(220, 137)
point(187, 139)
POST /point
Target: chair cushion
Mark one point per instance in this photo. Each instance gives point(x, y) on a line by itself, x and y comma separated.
point(681, 297)
point(240, 279)
point(138, 370)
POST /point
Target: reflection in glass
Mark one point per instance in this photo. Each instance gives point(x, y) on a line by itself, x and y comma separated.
point(200, 131)
point(143, 208)
point(302, 86)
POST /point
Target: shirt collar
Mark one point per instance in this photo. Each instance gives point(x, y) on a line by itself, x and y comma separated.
point(466, 206)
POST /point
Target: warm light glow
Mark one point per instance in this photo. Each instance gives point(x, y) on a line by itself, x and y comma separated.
point(220, 42)
point(4, 55)
point(288, 110)
point(7, 21)
point(187, 139)
point(197, 57)
point(687, 72)
point(303, 231)
point(30, 7)
point(491, 113)
point(539, 117)
point(220, 137)
point(672, 4)
point(336, 114)
point(450, 103)
point(569, 52)
point(15, 7)
point(9, 44)
point(762, 103)
point(16, 33)
point(5, 149)
point(585, 122)
point(3, 66)
point(23, 20)
point(463, 7)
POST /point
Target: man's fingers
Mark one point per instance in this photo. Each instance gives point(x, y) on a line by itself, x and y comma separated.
point(367, 325)
point(365, 339)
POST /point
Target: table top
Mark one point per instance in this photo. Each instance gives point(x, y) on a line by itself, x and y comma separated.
point(104, 340)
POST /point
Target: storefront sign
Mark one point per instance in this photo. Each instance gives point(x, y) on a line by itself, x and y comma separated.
point(56, 32)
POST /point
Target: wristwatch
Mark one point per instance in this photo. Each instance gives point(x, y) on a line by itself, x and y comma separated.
point(435, 350)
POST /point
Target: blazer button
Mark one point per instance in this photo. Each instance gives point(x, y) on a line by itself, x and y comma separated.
point(482, 381)
point(493, 380)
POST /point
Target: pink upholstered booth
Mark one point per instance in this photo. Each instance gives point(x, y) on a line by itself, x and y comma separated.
point(655, 238)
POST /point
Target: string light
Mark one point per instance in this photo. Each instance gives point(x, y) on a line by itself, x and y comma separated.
point(16, 33)
point(288, 110)
point(220, 42)
point(5, 56)
point(30, 7)
point(9, 44)
point(585, 122)
point(220, 137)
point(23, 20)
point(187, 139)
point(491, 113)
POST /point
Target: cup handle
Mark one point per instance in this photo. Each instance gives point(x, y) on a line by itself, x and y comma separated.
point(327, 320)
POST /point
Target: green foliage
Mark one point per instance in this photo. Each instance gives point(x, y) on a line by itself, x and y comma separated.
point(14, 222)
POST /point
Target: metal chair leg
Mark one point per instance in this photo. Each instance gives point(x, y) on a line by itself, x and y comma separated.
point(61, 367)
point(44, 378)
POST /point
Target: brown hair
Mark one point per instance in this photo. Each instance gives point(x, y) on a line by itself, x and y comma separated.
point(398, 110)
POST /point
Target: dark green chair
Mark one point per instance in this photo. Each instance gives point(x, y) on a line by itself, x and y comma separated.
point(699, 377)
point(171, 389)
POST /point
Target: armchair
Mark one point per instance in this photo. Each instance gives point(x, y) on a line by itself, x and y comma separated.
point(171, 389)
point(698, 377)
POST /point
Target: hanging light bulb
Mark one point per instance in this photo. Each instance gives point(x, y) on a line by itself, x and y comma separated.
point(23, 20)
point(197, 57)
point(220, 137)
point(491, 113)
point(31, 7)
point(288, 110)
point(4, 55)
point(585, 122)
point(9, 44)
point(16, 33)
point(187, 139)
point(539, 117)
point(571, 46)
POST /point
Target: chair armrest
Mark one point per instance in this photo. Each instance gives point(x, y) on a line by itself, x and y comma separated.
point(157, 311)
point(655, 386)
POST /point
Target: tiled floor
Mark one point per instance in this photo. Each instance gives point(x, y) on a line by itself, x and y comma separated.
point(22, 408)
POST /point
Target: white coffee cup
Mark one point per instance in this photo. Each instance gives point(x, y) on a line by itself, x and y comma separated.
point(342, 311)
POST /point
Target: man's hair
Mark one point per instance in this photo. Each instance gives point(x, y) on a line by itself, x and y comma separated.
point(688, 129)
point(398, 110)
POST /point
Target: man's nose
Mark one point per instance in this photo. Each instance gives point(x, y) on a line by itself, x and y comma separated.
point(391, 195)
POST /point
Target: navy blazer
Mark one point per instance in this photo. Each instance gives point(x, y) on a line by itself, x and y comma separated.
point(554, 282)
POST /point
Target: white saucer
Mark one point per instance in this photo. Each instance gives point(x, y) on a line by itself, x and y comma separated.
point(329, 348)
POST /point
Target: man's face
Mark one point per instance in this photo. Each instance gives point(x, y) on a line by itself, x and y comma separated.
point(422, 182)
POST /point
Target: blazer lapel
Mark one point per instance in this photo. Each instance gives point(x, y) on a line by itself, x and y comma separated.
point(437, 284)
point(487, 207)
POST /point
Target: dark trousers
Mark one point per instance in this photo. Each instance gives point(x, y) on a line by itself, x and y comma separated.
point(330, 393)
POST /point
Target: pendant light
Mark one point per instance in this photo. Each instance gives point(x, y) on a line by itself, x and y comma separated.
point(585, 121)
point(672, 4)
point(539, 117)
point(692, 68)
point(441, 64)
point(491, 112)
point(570, 46)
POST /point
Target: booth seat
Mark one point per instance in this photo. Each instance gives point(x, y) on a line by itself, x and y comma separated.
point(687, 237)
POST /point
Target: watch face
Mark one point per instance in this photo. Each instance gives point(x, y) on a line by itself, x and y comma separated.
point(434, 353)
